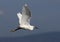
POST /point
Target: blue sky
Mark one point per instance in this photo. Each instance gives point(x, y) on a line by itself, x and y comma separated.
point(45, 13)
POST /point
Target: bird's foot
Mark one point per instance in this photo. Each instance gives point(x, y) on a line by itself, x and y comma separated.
point(12, 30)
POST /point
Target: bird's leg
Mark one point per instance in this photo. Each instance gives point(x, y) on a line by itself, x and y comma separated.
point(16, 29)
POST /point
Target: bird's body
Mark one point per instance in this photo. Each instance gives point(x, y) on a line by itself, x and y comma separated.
point(29, 27)
point(24, 19)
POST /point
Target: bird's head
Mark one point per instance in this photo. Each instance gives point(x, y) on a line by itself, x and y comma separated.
point(36, 27)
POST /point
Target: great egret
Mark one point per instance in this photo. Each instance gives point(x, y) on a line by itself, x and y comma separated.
point(24, 19)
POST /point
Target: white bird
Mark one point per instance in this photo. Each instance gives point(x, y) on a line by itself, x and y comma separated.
point(24, 19)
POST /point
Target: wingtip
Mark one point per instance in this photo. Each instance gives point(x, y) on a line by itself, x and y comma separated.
point(25, 4)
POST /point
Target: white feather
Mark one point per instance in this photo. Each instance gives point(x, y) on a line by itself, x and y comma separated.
point(26, 15)
point(19, 17)
point(24, 18)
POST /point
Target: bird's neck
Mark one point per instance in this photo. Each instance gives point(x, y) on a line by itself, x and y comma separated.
point(31, 27)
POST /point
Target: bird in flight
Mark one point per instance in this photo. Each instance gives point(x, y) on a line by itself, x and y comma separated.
point(24, 19)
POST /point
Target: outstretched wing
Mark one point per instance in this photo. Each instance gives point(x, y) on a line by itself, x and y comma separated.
point(19, 17)
point(26, 15)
